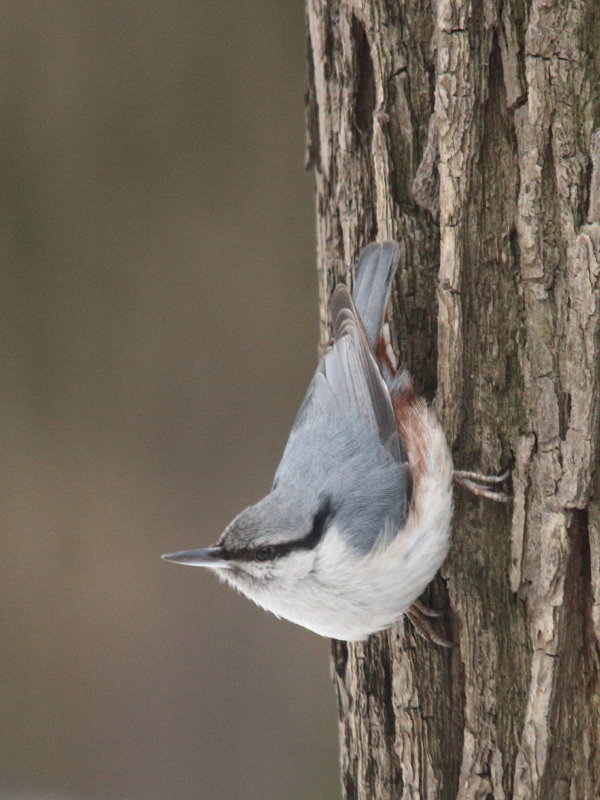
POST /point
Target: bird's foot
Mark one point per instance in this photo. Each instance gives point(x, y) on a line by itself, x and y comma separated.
point(478, 484)
point(421, 608)
point(419, 615)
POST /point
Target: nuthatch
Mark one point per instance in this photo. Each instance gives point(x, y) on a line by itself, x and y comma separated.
point(357, 522)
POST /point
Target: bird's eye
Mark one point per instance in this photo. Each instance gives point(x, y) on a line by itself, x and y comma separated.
point(264, 553)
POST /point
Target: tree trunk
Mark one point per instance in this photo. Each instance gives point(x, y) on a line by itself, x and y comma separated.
point(466, 131)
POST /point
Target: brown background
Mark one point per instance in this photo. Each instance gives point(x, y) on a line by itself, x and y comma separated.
point(159, 323)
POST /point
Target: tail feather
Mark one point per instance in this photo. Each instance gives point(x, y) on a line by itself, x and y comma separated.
point(374, 275)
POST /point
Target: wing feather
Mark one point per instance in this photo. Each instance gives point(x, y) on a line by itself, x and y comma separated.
point(345, 443)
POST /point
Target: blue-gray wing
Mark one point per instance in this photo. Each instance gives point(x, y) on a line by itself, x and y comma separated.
point(345, 442)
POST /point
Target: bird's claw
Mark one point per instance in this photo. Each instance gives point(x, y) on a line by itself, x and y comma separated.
point(477, 483)
point(418, 614)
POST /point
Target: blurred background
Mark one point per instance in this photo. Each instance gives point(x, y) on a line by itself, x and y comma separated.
point(159, 327)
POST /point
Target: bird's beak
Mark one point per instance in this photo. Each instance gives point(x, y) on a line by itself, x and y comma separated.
point(212, 557)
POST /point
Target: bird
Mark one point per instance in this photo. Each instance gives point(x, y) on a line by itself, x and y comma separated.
point(358, 519)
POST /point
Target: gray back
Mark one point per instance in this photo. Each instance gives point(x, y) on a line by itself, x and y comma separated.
point(344, 445)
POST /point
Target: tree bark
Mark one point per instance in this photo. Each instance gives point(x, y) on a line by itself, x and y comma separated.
point(467, 131)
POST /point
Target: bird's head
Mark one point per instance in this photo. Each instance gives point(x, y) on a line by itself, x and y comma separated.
point(272, 544)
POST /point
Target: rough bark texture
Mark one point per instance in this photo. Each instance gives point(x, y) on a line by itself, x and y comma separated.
point(466, 131)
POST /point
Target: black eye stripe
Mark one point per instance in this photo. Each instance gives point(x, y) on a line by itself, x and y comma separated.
point(321, 520)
